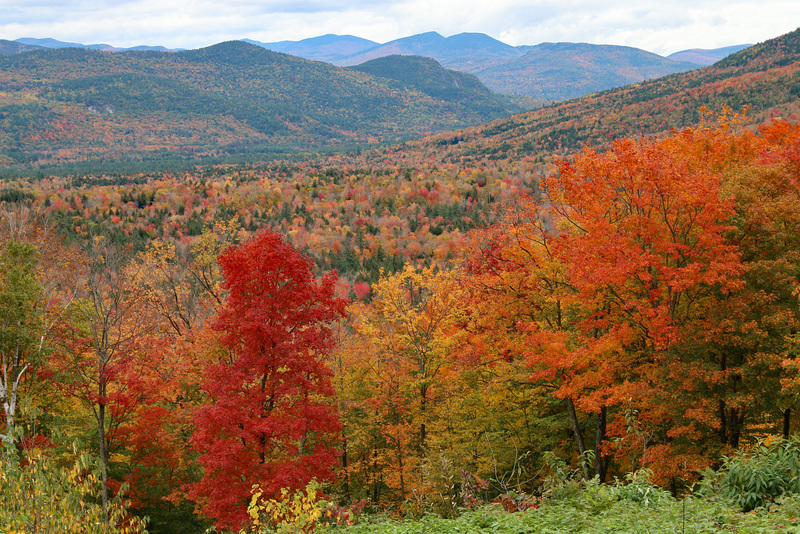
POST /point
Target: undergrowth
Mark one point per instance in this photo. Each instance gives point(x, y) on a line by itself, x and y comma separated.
point(753, 492)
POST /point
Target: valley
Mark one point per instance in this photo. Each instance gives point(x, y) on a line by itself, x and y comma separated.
point(238, 284)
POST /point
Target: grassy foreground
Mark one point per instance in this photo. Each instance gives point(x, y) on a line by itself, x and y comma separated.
point(755, 491)
point(601, 509)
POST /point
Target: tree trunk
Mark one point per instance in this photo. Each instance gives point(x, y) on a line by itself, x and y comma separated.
point(9, 398)
point(400, 464)
point(101, 431)
point(600, 461)
point(376, 481)
point(346, 476)
point(576, 431)
point(731, 423)
point(787, 419)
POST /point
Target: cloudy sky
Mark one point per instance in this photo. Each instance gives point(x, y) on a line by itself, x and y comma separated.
point(661, 26)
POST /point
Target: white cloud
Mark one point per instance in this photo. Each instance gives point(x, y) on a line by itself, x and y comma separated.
point(654, 25)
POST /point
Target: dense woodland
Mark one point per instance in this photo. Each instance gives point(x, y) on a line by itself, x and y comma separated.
point(409, 329)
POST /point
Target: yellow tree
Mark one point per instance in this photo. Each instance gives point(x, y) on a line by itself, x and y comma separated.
point(399, 369)
point(40, 496)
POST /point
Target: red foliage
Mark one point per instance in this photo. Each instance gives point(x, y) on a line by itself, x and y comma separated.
point(361, 290)
point(270, 419)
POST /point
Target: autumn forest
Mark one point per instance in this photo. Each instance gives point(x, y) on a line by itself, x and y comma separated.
point(598, 295)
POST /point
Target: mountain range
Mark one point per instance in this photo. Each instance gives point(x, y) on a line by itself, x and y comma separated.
point(54, 43)
point(554, 71)
point(550, 71)
point(756, 84)
point(72, 103)
point(240, 100)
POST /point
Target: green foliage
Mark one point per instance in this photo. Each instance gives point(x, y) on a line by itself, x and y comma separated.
point(632, 506)
point(640, 489)
point(20, 313)
point(40, 497)
point(758, 477)
point(21, 319)
point(16, 195)
point(599, 509)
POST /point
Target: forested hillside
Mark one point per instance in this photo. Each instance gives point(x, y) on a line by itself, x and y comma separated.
point(494, 319)
point(764, 79)
point(67, 105)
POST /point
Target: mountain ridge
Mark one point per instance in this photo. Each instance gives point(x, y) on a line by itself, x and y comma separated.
point(233, 97)
point(757, 83)
point(512, 70)
point(519, 70)
point(54, 43)
point(326, 48)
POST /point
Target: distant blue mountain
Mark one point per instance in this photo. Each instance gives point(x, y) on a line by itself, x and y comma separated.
point(561, 71)
point(53, 43)
point(328, 48)
point(554, 71)
point(48, 43)
point(451, 49)
point(705, 57)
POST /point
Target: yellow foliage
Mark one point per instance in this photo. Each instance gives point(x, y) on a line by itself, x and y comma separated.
point(298, 512)
point(41, 497)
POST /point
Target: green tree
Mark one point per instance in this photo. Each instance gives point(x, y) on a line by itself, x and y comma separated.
point(21, 320)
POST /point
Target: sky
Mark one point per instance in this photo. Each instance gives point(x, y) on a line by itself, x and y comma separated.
point(660, 26)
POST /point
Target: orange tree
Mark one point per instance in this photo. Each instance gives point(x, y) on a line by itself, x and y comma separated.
point(643, 229)
point(651, 290)
point(523, 330)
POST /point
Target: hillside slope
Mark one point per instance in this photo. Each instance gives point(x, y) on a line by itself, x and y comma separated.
point(763, 80)
point(75, 104)
point(429, 77)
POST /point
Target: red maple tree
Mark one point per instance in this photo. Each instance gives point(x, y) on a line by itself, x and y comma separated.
point(269, 418)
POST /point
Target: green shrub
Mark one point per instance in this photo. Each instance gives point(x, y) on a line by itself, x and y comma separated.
point(756, 478)
point(640, 489)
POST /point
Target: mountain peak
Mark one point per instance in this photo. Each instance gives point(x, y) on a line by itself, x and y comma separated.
point(704, 56)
